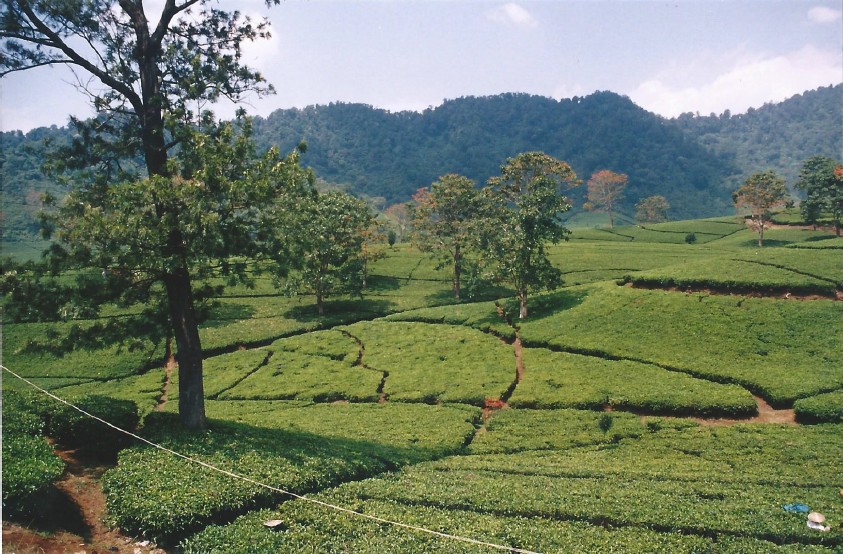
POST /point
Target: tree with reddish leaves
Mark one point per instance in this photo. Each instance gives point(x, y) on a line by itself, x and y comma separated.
point(605, 189)
point(760, 193)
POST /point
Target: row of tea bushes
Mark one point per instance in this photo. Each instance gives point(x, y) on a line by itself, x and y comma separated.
point(311, 528)
point(294, 376)
point(758, 343)
point(436, 363)
point(563, 380)
point(517, 430)
point(97, 364)
point(670, 491)
point(292, 446)
point(482, 316)
point(732, 276)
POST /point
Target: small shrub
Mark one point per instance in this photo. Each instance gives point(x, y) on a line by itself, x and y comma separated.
point(691, 238)
point(605, 422)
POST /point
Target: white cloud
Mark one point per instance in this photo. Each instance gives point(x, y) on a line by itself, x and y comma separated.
point(823, 14)
point(747, 83)
point(512, 14)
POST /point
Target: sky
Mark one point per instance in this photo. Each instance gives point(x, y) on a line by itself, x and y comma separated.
point(672, 57)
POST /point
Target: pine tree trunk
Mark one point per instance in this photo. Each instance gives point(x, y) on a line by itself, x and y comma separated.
point(189, 356)
point(522, 299)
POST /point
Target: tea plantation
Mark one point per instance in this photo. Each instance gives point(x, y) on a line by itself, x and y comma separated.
point(621, 416)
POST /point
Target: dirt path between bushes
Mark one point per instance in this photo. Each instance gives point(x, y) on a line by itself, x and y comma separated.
point(766, 414)
point(71, 521)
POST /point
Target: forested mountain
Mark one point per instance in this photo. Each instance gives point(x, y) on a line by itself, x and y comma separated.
point(23, 182)
point(392, 155)
point(694, 161)
point(776, 136)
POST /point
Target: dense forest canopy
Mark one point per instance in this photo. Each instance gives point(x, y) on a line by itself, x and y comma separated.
point(694, 161)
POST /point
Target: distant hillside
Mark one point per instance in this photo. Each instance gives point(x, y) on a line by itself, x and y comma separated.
point(694, 161)
point(391, 155)
point(21, 157)
point(776, 136)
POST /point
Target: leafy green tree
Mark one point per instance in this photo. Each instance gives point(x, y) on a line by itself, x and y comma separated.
point(760, 193)
point(151, 77)
point(605, 189)
point(328, 235)
point(520, 216)
point(444, 219)
point(821, 178)
point(652, 209)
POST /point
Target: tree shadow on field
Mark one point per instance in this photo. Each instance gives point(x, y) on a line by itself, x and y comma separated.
point(338, 312)
point(225, 312)
point(548, 304)
point(768, 243)
point(382, 283)
point(486, 293)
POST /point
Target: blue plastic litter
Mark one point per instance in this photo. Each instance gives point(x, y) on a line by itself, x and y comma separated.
point(797, 507)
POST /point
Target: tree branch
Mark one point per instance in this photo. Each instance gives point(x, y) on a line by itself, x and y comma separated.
point(77, 59)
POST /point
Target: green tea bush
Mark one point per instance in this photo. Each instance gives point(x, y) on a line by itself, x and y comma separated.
point(478, 315)
point(823, 408)
point(24, 412)
point(436, 363)
point(220, 373)
point(291, 375)
point(101, 364)
point(517, 430)
point(331, 344)
point(758, 343)
point(706, 489)
point(562, 380)
point(401, 433)
point(143, 390)
point(29, 469)
point(72, 428)
point(835, 243)
point(735, 276)
point(159, 496)
point(307, 527)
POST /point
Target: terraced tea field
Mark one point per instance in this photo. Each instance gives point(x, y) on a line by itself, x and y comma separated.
point(621, 416)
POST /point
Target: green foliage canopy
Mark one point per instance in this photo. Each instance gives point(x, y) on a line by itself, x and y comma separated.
point(821, 178)
point(326, 233)
point(444, 219)
point(761, 192)
point(521, 209)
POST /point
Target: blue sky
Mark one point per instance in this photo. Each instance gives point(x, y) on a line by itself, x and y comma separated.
point(668, 57)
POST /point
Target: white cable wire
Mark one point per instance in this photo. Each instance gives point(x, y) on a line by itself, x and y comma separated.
point(270, 487)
